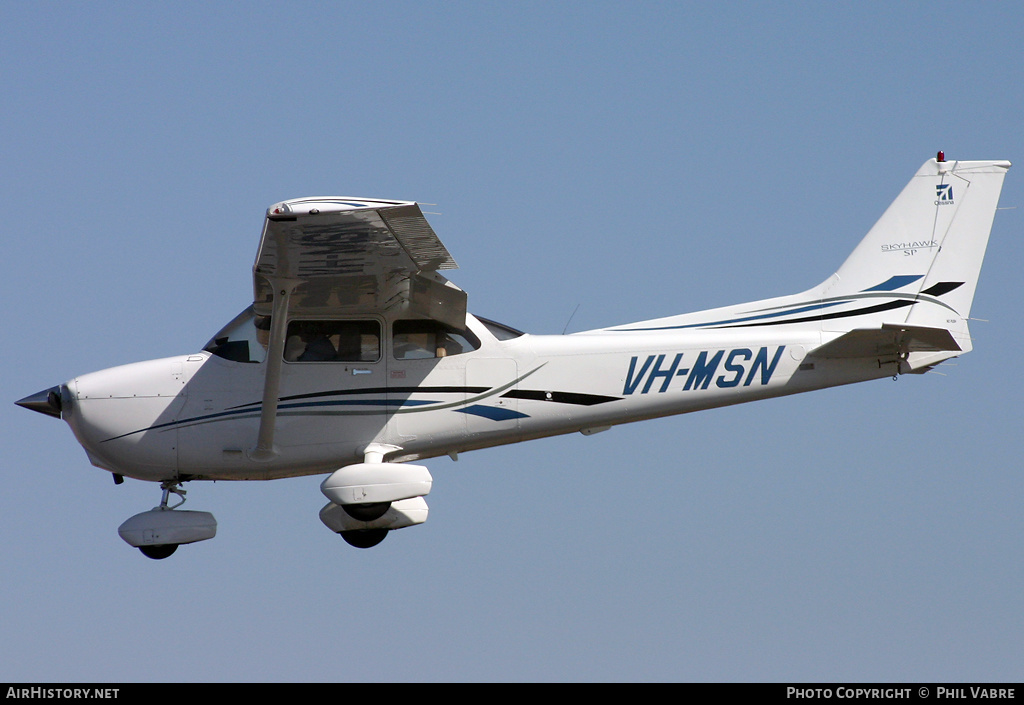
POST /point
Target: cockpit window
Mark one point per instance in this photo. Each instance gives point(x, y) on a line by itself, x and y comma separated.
point(424, 339)
point(332, 341)
point(500, 330)
point(247, 336)
point(244, 339)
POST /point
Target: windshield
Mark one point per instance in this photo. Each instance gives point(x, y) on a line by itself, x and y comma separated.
point(244, 339)
point(500, 330)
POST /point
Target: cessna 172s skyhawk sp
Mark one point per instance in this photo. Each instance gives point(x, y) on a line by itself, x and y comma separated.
point(357, 356)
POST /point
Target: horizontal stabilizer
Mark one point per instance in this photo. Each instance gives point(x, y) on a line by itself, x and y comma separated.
point(889, 340)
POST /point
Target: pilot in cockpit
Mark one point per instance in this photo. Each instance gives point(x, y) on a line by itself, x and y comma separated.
point(311, 344)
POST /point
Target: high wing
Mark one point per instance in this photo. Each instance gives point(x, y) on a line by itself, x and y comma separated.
point(345, 256)
point(355, 255)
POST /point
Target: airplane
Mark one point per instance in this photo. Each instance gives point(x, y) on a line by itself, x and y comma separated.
point(357, 357)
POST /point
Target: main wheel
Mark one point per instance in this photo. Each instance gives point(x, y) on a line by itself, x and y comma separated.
point(367, 512)
point(160, 551)
point(364, 538)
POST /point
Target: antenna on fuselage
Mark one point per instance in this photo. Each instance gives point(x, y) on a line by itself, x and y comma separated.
point(570, 318)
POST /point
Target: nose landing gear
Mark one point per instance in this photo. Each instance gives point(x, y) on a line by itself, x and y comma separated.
point(158, 532)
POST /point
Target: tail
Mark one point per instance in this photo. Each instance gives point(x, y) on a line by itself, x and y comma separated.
point(926, 250)
point(917, 268)
point(908, 286)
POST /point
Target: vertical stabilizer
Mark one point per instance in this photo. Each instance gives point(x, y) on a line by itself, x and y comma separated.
point(920, 263)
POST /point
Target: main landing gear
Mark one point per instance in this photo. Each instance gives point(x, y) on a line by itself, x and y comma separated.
point(364, 538)
point(372, 498)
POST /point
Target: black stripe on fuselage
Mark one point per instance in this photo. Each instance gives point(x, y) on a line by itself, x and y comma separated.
point(934, 290)
point(559, 397)
point(942, 288)
point(827, 317)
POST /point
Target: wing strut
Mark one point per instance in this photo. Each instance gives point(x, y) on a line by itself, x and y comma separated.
point(283, 288)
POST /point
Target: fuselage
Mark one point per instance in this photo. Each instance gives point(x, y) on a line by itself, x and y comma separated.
point(197, 416)
point(357, 356)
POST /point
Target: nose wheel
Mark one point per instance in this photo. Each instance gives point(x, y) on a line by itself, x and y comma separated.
point(159, 552)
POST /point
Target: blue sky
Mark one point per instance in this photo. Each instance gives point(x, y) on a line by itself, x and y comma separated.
point(634, 159)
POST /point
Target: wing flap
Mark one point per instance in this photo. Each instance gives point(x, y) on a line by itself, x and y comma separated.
point(417, 238)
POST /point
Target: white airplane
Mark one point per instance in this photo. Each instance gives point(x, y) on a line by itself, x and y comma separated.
point(357, 357)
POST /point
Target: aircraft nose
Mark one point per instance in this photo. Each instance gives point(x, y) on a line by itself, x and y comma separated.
point(45, 402)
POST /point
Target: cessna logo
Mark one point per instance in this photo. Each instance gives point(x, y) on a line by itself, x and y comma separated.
point(944, 194)
point(741, 366)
